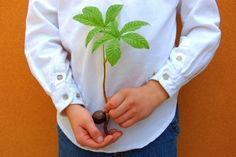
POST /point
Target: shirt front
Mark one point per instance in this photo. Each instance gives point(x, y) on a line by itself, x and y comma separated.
point(70, 74)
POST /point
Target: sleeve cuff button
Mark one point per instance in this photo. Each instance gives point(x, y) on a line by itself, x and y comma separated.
point(179, 58)
point(59, 77)
point(77, 95)
point(65, 96)
point(165, 76)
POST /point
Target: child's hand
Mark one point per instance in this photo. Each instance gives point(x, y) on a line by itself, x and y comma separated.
point(85, 131)
point(131, 105)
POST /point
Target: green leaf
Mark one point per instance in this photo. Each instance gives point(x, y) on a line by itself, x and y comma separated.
point(132, 26)
point(112, 28)
point(85, 19)
point(94, 13)
point(112, 12)
point(113, 52)
point(135, 40)
point(101, 41)
point(91, 34)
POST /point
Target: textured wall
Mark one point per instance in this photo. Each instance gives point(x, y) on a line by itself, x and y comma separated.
point(27, 116)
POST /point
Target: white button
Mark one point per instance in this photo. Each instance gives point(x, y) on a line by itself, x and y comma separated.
point(165, 76)
point(59, 77)
point(65, 96)
point(179, 58)
point(77, 95)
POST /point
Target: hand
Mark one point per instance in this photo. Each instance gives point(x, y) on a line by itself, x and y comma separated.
point(85, 131)
point(131, 105)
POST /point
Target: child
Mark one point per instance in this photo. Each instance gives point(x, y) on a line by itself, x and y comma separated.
point(143, 86)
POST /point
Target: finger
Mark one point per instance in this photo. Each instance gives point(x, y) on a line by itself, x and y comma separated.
point(94, 132)
point(111, 131)
point(116, 135)
point(121, 109)
point(128, 123)
point(114, 101)
point(84, 139)
point(107, 140)
point(92, 144)
point(125, 117)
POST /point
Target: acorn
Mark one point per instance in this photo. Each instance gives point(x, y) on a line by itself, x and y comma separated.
point(99, 117)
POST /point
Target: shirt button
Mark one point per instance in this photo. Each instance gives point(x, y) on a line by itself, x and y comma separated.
point(59, 77)
point(179, 58)
point(65, 96)
point(165, 76)
point(77, 95)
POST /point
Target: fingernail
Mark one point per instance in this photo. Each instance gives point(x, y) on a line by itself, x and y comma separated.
point(100, 139)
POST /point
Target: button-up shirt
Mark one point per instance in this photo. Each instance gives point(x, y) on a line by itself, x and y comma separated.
point(70, 74)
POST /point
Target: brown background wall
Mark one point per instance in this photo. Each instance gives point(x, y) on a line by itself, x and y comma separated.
point(27, 116)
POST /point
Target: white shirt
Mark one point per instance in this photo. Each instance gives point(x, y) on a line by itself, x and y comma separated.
point(52, 35)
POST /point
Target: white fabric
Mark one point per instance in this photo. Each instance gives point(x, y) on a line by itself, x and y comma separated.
point(52, 35)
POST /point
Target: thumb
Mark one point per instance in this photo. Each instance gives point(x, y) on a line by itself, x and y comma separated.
point(94, 133)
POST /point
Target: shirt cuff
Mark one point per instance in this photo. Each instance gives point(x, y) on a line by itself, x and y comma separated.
point(169, 76)
point(64, 95)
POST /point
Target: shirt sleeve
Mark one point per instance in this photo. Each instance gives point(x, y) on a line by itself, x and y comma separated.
point(199, 40)
point(47, 59)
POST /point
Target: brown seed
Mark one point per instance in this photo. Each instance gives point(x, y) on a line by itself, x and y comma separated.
point(99, 117)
